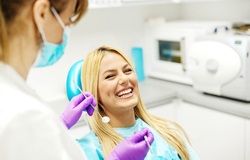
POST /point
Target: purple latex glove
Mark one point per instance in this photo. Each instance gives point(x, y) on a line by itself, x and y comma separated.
point(75, 107)
point(133, 148)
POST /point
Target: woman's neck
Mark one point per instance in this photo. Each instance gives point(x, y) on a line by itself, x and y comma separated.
point(124, 119)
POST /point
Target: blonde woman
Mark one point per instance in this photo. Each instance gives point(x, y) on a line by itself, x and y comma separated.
point(109, 75)
point(33, 33)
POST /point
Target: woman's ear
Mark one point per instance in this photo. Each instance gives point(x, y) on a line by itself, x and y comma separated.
point(41, 11)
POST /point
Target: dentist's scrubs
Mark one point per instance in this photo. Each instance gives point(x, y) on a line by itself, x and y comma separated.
point(28, 126)
point(161, 149)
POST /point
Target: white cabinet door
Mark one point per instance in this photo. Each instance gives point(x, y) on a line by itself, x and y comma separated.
point(166, 111)
point(247, 139)
point(214, 135)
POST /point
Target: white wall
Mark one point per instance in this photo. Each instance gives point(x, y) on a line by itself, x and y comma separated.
point(228, 10)
point(123, 27)
point(120, 27)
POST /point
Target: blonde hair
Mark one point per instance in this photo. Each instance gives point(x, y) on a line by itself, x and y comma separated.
point(108, 137)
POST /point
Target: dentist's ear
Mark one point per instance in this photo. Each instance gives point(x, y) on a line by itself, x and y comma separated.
point(41, 12)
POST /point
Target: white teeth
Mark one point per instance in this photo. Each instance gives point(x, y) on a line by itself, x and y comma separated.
point(124, 92)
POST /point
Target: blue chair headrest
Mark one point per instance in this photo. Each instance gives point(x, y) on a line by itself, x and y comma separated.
point(74, 74)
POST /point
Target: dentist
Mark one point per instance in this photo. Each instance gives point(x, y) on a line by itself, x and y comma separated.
point(34, 33)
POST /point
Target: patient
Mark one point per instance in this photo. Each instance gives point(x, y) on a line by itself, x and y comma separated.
point(109, 75)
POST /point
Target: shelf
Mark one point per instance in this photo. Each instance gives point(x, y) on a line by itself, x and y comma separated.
point(121, 3)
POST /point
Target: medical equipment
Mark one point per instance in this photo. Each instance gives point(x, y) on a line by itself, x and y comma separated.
point(105, 119)
point(146, 139)
point(220, 65)
point(168, 44)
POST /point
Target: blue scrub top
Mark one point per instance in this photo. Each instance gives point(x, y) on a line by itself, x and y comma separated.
point(161, 149)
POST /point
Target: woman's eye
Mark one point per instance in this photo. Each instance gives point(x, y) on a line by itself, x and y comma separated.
point(109, 76)
point(128, 70)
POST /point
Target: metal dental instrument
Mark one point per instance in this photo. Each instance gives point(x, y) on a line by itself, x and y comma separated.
point(105, 119)
point(146, 139)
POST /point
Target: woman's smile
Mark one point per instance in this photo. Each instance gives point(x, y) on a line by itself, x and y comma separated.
point(125, 93)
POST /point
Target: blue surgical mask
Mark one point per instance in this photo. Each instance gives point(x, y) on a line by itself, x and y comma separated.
point(50, 53)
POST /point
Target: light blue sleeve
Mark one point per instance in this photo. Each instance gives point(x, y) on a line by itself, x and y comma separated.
point(192, 155)
point(91, 147)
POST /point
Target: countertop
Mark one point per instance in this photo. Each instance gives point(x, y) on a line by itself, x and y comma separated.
point(161, 88)
point(154, 95)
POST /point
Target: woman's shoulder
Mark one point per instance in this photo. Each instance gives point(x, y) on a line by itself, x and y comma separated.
point(91, 146)
point(90, 140)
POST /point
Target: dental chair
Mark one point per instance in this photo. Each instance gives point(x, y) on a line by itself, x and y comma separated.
point(73, 79)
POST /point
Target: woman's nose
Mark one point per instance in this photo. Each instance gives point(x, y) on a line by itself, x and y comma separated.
point(123, 79)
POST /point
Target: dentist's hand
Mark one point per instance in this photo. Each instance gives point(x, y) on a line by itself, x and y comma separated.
point(75, 107)
point(133, 148)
